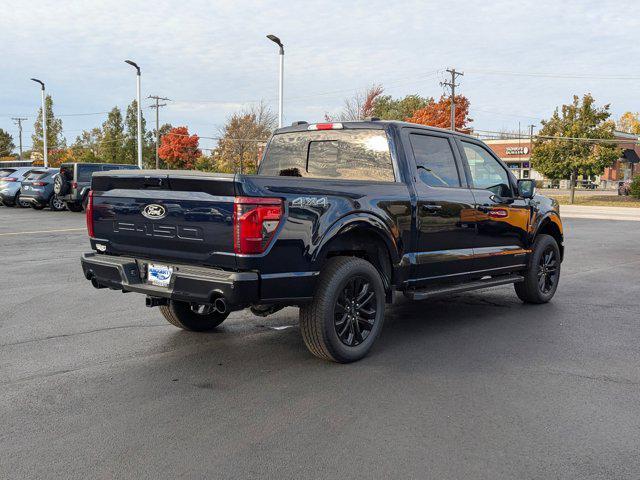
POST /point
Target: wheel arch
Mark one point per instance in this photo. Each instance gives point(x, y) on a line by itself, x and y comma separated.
point(364, 236)
point(551, 224)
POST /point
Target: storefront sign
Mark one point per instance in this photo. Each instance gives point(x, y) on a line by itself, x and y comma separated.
point(517, 150)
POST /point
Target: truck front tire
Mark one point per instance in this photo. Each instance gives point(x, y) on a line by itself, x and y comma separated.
point(543, 273)
point(347, 312)
point(196, 318)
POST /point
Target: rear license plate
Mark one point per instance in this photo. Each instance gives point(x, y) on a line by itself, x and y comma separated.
point(159, 275)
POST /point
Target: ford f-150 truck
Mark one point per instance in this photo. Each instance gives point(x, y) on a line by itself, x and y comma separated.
point(338, 218)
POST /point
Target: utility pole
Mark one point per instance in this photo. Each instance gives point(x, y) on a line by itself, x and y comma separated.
point(452, 85)
point(18, 121)
point(157, 107)
point(531, 127)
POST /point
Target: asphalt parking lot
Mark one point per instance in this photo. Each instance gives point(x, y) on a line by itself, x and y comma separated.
point(96, 385)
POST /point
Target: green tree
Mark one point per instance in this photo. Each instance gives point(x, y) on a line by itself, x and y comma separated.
point(111, 146)
point(86, 148)
point(567, 144)
point(6, 143)
point(388, 108)
point(131, 136)
point(55, 140)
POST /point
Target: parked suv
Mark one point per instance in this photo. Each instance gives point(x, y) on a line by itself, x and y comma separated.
point(37, 190)
point(73, 182)
point(10, 181)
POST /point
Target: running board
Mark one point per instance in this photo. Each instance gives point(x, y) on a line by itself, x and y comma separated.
point(462, 287)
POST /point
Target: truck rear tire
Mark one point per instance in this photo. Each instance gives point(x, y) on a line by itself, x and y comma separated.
point(543, 273)
point(346, 315)
point(196, 318)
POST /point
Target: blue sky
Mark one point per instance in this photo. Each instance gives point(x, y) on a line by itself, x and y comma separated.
point(212, 57)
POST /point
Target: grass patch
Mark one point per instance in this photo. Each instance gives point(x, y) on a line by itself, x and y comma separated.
point(599, 200)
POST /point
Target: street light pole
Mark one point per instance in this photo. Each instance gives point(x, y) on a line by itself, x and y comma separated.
point(44, 124)
point(139, 112)
point(277, 41)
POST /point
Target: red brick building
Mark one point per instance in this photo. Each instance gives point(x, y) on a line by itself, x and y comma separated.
point(516, 153)
point(625, 167)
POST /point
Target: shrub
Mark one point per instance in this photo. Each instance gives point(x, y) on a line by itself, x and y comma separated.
point(634, 190)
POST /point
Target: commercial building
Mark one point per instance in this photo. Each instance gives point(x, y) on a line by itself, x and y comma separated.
point(516, 153)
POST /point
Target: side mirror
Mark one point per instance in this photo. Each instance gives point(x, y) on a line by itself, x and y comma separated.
point(527, 187)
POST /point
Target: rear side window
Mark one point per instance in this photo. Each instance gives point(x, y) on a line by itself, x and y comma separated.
point(6, 172)
point(357, 154)
point(434, 160)
point(85, 172)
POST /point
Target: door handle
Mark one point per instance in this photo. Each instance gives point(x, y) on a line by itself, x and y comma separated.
point(431, 208)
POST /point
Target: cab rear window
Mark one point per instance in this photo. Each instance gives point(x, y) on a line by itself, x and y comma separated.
point(356, 154)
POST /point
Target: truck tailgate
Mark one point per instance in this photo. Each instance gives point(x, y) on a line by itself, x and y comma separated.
point(175, 216)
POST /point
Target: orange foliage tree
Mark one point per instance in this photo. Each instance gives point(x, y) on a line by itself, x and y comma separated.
point(178, 149)
point(438, 114)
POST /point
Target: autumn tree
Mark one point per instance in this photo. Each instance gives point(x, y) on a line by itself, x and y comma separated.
point(438, 114)
point(242, 138)
point(357, 107)
point(567, 144)
point(629, 122)
point(6, 143)
point(178, 149)
point(388, 108)
point(55, 140)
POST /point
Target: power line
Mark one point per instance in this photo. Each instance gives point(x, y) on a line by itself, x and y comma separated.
point(555, 75)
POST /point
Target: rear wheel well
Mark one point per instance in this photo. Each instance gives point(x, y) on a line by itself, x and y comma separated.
point(366, 244)
point(550, 228)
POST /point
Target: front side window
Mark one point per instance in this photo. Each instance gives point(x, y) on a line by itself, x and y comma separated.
point(486, 172)
point(434, 160)
point(349, 154)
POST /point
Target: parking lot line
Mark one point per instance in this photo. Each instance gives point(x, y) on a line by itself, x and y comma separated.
point(44, 231)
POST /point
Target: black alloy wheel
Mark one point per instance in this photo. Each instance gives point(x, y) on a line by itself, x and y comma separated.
point(547, 270)
point(541, 278)
point(355, 311)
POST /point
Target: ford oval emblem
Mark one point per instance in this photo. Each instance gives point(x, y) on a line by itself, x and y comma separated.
point(153, 211)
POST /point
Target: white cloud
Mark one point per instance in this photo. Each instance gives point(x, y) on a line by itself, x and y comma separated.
point(213, 57)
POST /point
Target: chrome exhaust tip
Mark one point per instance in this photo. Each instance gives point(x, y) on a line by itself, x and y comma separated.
point(220, 305)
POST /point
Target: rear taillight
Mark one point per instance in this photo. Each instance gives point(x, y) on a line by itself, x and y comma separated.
point(39, 184)
point(8, 179)
point(74, 184)
point(255, 221)
point(89, 212)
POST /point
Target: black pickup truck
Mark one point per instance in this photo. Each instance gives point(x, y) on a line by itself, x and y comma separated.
point(338, 218)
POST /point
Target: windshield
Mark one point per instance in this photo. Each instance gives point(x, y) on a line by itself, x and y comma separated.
point(356, 154)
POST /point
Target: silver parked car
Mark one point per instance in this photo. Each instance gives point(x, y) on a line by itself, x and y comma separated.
point(10, 182)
